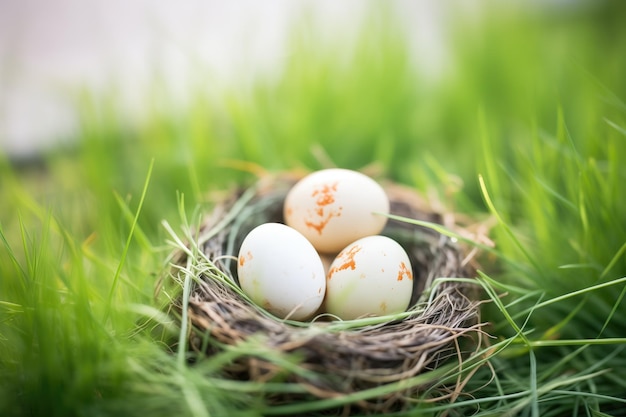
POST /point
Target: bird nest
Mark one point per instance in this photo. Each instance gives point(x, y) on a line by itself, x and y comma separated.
point(394, 358)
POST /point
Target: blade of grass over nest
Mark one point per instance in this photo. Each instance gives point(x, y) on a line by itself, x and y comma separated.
point(177, 242)
point(128, 241)
point(438, 228)
point(198, 262)
point(193, 252)
point(447, 232)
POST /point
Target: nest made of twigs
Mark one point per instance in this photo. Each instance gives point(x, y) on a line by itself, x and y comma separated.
point(337, 360)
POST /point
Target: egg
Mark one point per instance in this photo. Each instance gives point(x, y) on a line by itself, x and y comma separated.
point(334, 207)
point(370, 277)
point(280, 270)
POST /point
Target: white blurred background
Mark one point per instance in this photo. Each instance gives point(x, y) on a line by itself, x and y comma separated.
point(50, 49)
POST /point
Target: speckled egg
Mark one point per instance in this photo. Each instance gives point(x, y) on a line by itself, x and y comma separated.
point(334, 207)
point(370, 277)
point(280, 270)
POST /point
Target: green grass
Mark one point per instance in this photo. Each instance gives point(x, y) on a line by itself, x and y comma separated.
point(527, 127)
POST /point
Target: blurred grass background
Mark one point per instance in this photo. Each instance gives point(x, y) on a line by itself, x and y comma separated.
point(532, 102)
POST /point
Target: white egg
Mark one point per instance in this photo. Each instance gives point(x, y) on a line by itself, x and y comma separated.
point(371, 276)
point(334, 207)
point(281, 271)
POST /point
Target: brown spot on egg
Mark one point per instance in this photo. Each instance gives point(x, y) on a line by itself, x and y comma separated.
point(319, 224)
point(324, 195)
point(346, 258)
point(383, 307)
point(244, 258)
point(404, 272)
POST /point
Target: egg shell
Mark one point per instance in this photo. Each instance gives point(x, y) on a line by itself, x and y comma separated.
point(370, 277)
point(334, 207)
point(280, 270)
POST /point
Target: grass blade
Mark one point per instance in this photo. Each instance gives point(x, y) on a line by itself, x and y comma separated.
point(118, 271)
